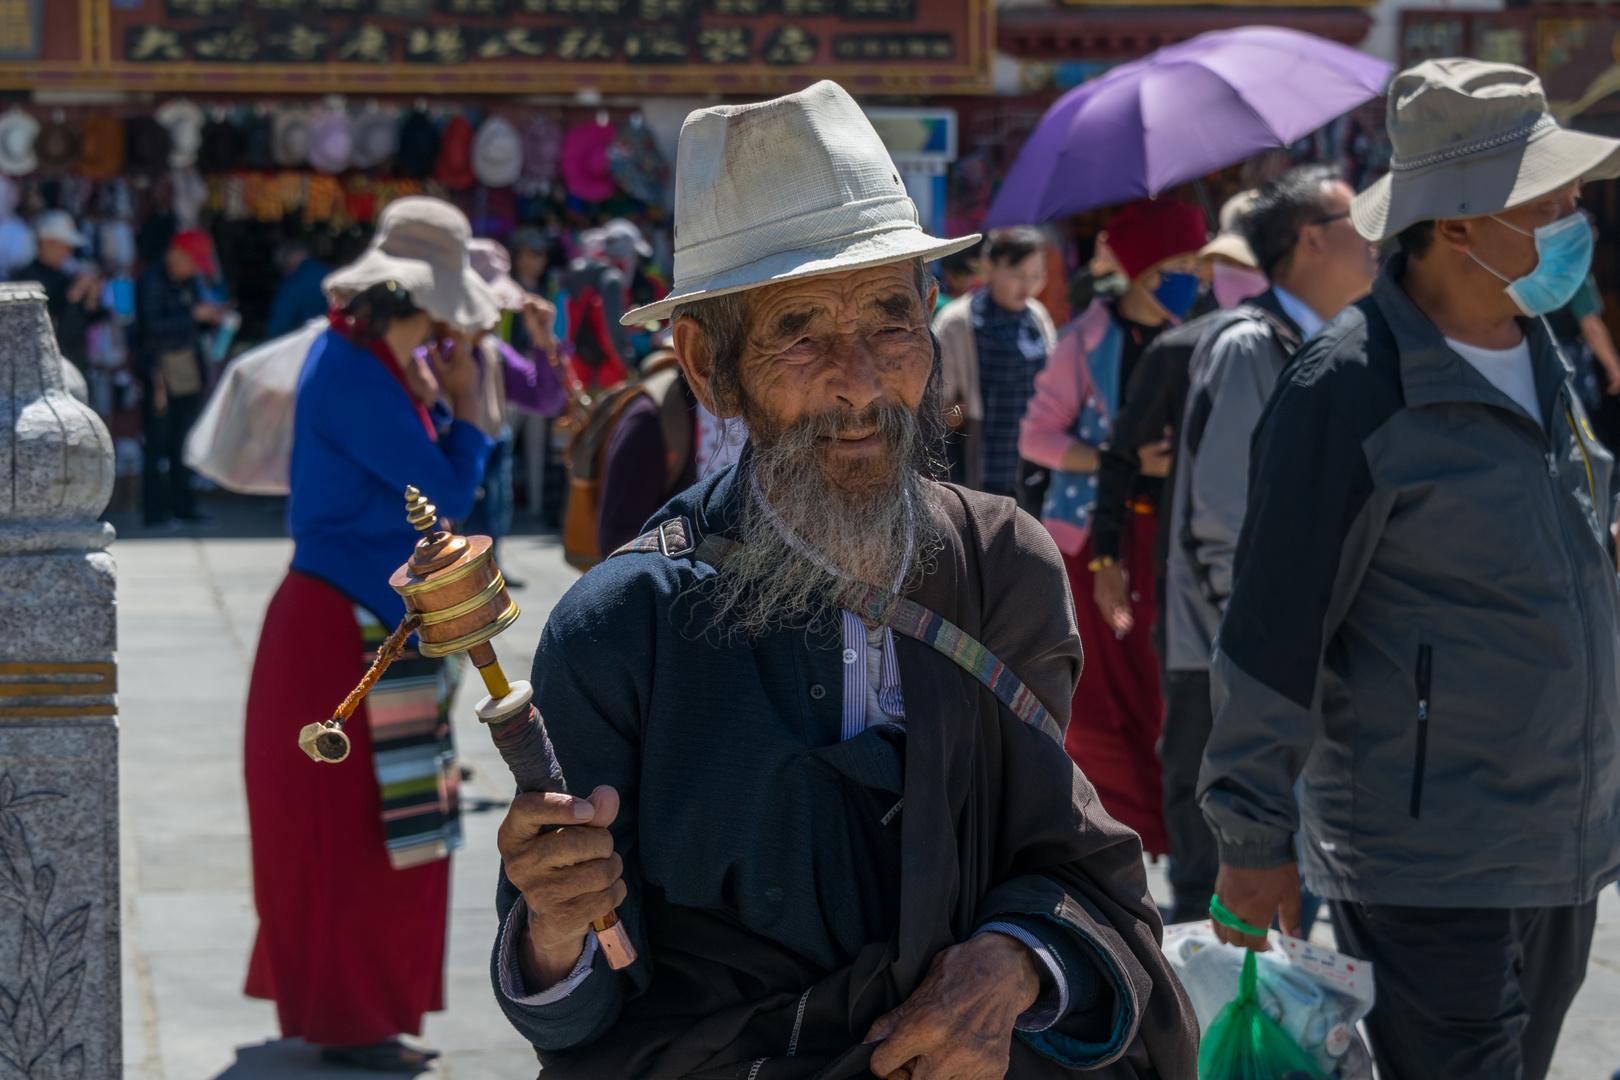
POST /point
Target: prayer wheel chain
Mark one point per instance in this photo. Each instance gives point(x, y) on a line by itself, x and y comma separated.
point(326, 741)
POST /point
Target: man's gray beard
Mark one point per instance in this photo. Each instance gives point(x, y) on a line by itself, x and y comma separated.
point(860, 524)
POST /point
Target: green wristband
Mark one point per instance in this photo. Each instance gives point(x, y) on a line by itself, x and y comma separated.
point(1218, 911)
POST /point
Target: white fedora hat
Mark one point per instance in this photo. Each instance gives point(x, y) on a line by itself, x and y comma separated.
point(784, 189)
point(421, 243)
point(1472, 138)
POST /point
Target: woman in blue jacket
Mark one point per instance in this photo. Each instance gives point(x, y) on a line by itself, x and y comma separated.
point(351, 861)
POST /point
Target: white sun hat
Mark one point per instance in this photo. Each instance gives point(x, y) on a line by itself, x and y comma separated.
point(497, 157)
point(421, 243)
point(789, 188)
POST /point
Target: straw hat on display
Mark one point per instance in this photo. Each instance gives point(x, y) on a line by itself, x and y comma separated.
point(17, 133)
point(290, 141)
point(184, 121)
point(101, 147)
point(490, 262)
point(57, 146)
point(782, 190)
point(421, 243)
point(497, 158)
point(375, 136)
point(1471, 138)
point(331, 140)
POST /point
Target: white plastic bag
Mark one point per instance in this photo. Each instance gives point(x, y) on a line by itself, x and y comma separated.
point(1315, 994)
point(243, 439)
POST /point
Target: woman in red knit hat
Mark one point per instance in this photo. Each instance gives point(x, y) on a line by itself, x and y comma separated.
point(1118, 708)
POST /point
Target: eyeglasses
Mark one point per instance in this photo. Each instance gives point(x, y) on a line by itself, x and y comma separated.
point(1327, 219)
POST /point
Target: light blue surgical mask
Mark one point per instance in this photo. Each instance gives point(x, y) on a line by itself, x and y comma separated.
point(1564, 258)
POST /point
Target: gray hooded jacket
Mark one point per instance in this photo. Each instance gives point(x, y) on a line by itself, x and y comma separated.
point(1424, 623)
point(1232, 373)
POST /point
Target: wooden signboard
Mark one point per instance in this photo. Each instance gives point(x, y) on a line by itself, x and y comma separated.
point(511, 46)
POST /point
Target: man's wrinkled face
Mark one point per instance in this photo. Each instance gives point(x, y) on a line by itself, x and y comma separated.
point(835, 351)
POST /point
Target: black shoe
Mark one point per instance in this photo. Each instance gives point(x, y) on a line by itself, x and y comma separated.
point(390, 1055)
point(194, 516)
point(515, 583)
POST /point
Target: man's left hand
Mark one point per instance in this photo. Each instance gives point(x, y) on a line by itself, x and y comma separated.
point(959, 1023)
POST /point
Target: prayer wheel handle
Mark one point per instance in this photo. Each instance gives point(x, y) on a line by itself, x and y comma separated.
point(456, 601)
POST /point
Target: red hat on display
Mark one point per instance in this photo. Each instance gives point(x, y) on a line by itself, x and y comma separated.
point(1149, 231)
point(195, 242)
point(454, 166)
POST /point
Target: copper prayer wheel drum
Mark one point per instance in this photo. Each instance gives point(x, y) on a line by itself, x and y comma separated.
point(454, 587)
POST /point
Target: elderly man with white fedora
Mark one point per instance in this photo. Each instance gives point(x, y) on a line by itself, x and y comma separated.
point(1424, 622)
point(818, 707)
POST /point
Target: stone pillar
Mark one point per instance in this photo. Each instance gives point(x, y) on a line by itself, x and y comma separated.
point(59, 907)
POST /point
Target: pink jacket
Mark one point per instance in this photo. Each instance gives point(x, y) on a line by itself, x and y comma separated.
point(1047, 430)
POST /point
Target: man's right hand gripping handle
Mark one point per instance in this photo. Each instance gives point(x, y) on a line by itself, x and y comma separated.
point(558, 852)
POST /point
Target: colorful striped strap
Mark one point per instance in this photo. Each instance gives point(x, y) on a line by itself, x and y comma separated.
point(904, 616)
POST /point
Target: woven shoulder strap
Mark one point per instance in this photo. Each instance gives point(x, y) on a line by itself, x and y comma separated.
point(676, 537)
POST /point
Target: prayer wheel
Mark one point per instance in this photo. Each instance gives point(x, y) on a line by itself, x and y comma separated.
point(456, 601)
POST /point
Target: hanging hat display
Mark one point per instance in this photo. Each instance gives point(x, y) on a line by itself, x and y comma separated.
point(584, 160)
point(418, 146)
point(17, 133)
point(221, 148)
point(290, 145)
point(101, 147)
point(497, 153)
point(453, 168)
point(331, 141)
point(190, 196)
point(375, 137)
point(542, 146)
point(636, 164)
point(57, 145)
point(258, 141)
point(184, 121)
point(148, 146)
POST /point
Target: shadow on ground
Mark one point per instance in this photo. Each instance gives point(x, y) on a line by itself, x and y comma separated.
point(277, 1059)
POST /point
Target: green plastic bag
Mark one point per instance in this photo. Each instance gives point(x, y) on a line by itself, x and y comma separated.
point(1242, 1042)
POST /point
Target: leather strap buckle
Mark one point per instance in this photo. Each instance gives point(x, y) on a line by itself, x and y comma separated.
point(675, 538)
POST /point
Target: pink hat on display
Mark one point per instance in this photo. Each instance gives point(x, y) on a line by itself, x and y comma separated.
point(584, 162)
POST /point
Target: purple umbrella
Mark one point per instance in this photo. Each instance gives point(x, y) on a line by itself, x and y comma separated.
point(1179, 113)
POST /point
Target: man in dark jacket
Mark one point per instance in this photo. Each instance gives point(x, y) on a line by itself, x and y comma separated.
point(838, 851)
point(299, 297)
point(1425, 617)
point(72, 294)
point(1300, 232)
point(168, 315)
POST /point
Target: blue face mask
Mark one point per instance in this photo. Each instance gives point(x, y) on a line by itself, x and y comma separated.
point(1564, 257)
point(1176, 292)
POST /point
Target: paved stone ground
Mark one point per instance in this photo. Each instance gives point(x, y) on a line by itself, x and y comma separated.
point(189, 610)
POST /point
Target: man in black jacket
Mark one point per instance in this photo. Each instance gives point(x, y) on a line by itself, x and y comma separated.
point(1424, 616)
point(72, 294)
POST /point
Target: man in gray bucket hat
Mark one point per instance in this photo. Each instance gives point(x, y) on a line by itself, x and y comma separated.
point(843, 842)
point(1425, 619)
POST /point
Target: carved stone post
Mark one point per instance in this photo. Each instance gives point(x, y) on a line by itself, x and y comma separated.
point(59, 908)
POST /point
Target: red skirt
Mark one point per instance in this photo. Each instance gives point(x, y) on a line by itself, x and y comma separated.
point(350, 949)
point(1118, 709)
